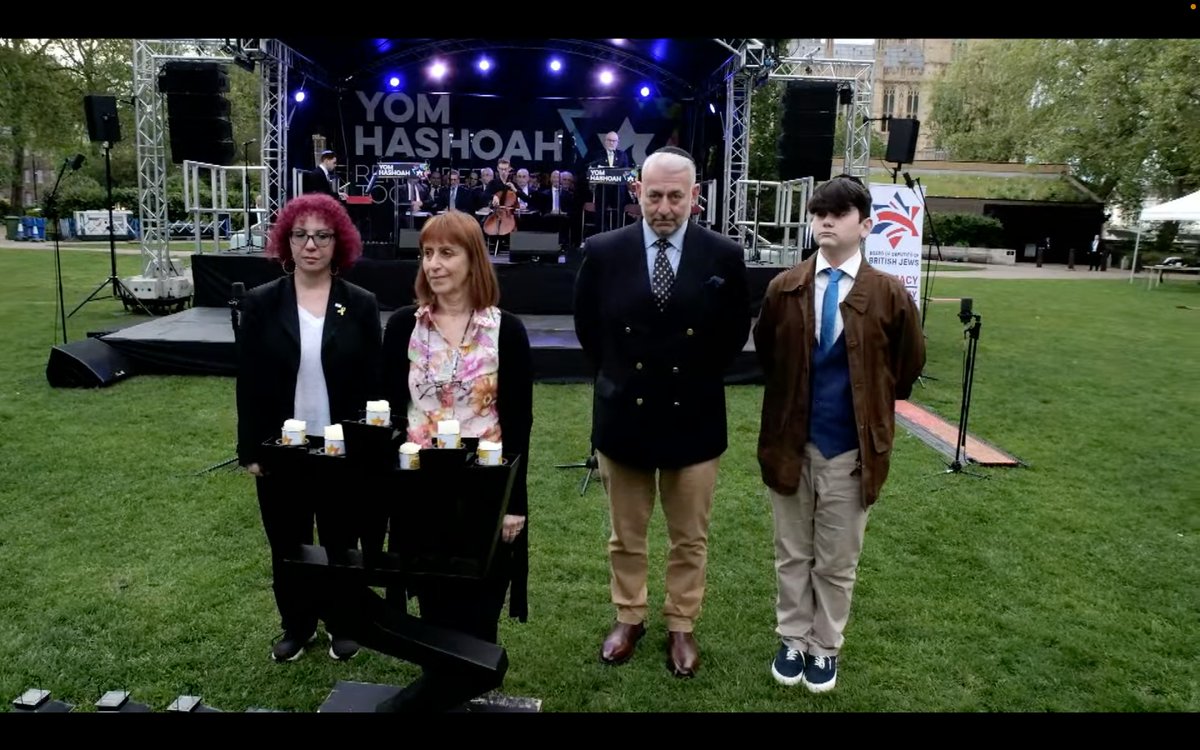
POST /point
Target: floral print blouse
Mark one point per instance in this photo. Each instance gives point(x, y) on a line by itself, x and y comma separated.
point(449, 381)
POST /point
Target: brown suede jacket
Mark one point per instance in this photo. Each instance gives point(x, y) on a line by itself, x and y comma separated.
point(886, 349)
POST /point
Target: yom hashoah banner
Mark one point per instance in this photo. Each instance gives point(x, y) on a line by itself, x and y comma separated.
point(894, 244)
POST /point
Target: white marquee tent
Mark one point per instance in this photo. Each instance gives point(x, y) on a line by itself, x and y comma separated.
point(1186, 208)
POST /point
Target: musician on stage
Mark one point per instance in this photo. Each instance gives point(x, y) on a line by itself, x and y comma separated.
point(525, 196)
point(454, 195)
point(323, 179)
point(499, 182)
point(480, 191)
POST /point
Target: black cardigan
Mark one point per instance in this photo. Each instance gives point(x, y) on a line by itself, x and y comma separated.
point(269, 357)
point(514, 401)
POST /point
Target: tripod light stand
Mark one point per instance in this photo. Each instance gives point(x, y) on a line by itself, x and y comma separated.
point(119, 290)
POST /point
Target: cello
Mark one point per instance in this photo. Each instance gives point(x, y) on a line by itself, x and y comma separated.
point(501, 222)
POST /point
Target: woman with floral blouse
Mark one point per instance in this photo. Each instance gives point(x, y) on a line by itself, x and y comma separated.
point(456, 355)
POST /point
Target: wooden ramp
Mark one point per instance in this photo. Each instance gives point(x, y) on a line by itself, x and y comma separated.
point(941, 435)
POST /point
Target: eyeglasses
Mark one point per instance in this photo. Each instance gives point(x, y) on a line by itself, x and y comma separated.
point(320, 239)
point(457, 388)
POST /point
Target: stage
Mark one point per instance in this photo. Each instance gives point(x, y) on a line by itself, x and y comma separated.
point(545, 287)
point(199, 341)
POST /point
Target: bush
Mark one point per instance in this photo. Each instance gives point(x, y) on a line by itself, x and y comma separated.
point(84, 194)
point(967, 230)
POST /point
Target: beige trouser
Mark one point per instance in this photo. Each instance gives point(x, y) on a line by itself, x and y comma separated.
point(687, 496)
point(818, 538)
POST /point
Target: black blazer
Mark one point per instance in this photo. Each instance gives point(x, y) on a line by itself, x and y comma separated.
point(269, 357)
point(464, 199)
point(659, 399)
point(514, 401)
point(315, 181)
point(620, 159)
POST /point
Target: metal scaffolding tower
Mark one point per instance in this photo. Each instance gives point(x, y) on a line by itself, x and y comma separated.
point(751, 65)
point(161, 277)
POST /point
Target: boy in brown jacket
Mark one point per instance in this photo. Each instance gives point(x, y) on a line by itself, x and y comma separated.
point(839, 342)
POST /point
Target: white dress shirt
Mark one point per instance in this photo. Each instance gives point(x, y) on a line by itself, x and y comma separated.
point(850, 268)
point(674, 252)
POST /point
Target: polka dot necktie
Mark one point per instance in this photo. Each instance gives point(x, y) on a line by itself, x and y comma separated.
point(663, 277)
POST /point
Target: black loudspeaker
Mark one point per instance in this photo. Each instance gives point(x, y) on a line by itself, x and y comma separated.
point(102, 122)
point(535, 247)
point(198, 112)
point(88, 363)
point(805, 146)
point(902, 140)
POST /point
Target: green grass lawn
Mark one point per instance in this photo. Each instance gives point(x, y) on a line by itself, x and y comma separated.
point(1070, 585)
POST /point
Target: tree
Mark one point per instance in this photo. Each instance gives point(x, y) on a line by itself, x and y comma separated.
point(1121, 112)
point(102, 67)
point(33, 107)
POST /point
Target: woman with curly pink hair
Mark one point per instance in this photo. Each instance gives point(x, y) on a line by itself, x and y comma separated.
point(309, 348)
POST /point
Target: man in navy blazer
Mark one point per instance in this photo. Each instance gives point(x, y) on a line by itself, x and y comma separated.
point(661, 309)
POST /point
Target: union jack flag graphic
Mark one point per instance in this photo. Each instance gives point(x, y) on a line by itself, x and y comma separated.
point(894, 219)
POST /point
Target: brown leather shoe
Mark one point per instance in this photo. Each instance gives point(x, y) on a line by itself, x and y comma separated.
point(683, 654)
point(621, 640)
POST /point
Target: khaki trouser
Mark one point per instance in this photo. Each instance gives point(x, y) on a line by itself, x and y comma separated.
point(687, 496)
point(818, 539)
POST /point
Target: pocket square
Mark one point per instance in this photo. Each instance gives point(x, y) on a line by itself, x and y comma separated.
point(716, 282)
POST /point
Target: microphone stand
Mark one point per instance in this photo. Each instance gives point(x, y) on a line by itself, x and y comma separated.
point(917, 187)
point(972, 324)
point(591, 463)
point(52, 211)
point(934, 243)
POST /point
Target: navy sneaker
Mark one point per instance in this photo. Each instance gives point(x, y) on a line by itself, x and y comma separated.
point(291, 646)
point(788, 667)
point(820, 673)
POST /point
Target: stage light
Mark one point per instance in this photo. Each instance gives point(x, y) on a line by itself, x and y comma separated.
point(244, 62)
point(619, 42)
point(644, 91)
point(437, 70)
point(712, 108)
point(484, 64)
point(555, 64)
point(300, 95)
point(606, 77)
point(394, 82)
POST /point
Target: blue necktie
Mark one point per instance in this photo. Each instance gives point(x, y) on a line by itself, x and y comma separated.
point(829, 309)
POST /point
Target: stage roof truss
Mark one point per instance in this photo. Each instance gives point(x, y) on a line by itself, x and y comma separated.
point(667, 82)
